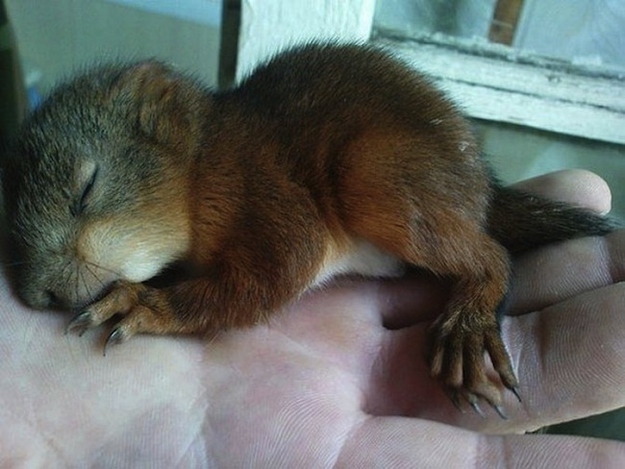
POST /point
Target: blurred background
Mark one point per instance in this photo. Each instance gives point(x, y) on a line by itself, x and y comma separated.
point(42, 42)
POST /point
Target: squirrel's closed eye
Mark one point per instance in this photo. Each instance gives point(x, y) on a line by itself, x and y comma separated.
point(81, 203)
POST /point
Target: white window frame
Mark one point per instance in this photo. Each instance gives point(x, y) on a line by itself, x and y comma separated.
point(486, 81)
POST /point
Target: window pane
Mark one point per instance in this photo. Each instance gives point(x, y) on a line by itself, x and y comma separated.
point(588, 32)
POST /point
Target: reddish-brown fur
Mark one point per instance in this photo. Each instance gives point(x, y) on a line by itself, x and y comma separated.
point(263, 190)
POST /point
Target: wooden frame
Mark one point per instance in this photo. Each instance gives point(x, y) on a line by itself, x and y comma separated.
point(490, 83)
point(268, 26)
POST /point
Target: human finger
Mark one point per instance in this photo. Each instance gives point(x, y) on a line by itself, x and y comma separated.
point(569, 359)
point(575, 186)
point(554, 273)
point(404, 442)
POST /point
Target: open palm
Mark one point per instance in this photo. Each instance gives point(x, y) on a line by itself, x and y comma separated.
point(340, 378)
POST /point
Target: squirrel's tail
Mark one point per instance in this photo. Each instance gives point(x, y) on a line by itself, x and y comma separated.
point(521, 221)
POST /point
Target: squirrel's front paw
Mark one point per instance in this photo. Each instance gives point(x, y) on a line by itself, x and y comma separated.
point(142, 309)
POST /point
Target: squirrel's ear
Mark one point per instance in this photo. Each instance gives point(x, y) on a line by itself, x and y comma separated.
point(157, 97)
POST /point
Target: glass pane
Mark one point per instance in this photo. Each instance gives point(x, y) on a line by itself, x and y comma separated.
point(588, 32)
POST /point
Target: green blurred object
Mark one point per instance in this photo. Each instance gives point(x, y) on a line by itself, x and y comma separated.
point(610, 425)
point(12, 92)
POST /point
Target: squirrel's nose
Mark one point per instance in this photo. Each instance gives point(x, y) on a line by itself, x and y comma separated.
point(53, 299)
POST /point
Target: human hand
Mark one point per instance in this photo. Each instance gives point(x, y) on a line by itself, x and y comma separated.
point(340, 378)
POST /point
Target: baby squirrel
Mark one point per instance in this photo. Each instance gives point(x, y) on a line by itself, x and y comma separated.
point(326, 160)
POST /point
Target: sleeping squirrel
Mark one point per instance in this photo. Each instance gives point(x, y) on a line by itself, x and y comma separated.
point(326, 160)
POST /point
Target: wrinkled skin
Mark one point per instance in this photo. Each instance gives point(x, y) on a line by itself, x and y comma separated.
point(325, 383)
